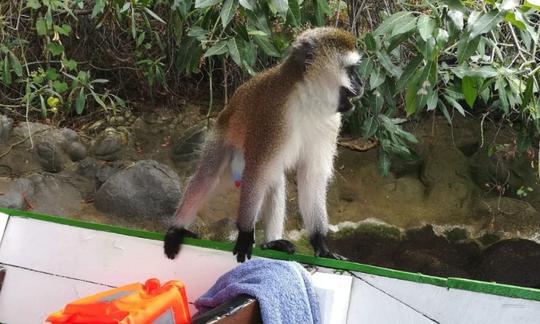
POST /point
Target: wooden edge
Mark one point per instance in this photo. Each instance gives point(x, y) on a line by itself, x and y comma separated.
point(2, 276)
point(241, 309)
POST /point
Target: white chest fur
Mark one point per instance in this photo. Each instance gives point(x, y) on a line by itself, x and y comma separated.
point(313, 124)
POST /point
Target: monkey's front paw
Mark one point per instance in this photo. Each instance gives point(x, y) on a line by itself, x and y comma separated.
point(244, 245)
point(173, 239)
point(280, 245)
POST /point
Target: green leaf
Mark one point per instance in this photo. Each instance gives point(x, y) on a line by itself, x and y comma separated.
point(34, 4)
point(500, 86)
point(391, 22)
point(70, 65)
point(369, 128)
point(371, 43)
point(49, 18)
point(53, 102)
point(528, 93)
point(483, 72)
point(457, 18)
point(321, 9)
point(267, 47)
point(469, 87)
point(205, 3)
point(484, 23)
point(516, 19)
point(51, 74)
point(365, 67)
point(63, 30)
point(80, 103)
point(444, 110)
point(386, 62)
point(294, 7)
point(455, 5)
point(55, 49)
point(466, 48)
point(432, 100)
point(408, 72)
point(535, 4)
point(255, 32)
point(218, 49)
point(228, 11)
point(6, 73)
point(406, 24)
point(140, 39)
point(15, 64)
point(376, 78)
point(426, 26)
point(384, 162)
point(154, 15)
point(60, 87)
point(41, 27)
point(411, 97)
point(234, 52)
point(248, 4)
point(427, 48)
point(43, 106)
point(282, 6)
point(98, 100)
point(455, 104)
point(395, 41)
point(99, 7)
point(199, 33)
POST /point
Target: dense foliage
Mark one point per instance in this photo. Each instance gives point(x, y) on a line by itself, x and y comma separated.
point(449, 56)
point(61, 58)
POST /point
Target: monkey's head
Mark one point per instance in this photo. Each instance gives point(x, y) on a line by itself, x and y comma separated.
point(329, 54)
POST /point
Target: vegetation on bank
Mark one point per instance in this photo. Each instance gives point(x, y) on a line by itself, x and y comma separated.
point(64, 58)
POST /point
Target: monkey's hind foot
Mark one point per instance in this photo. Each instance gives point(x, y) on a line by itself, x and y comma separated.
point(174, 238)
point(318, 241)
point(244, 245)
point(280, 245)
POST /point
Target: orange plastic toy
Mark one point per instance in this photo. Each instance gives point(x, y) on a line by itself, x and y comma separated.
point(131, 304)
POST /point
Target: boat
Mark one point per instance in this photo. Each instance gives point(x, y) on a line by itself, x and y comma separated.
point(49, 261)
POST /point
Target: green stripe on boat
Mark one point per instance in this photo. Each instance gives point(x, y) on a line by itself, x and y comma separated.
point(451, 283)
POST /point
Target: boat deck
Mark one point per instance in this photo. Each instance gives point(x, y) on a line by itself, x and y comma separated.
point(51, 261)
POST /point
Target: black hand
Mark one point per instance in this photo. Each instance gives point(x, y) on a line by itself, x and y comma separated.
point(244, 245)
point(174, 238)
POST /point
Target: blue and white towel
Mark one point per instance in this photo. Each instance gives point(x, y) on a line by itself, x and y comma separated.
point(283, 289)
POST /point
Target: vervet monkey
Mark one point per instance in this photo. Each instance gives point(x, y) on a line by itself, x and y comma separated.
point(287, 117)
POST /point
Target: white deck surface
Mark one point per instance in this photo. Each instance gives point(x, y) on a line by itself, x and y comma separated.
point(49, 265)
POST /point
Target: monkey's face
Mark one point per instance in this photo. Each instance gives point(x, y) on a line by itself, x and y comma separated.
point(330, 54)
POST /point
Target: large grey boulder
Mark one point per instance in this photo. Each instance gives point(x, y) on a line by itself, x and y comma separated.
point(148, 190)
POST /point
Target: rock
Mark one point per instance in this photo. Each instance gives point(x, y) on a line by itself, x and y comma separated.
point(50, 155)
point(6, 125)
point(76, 151)
point(21, 130)
point(12, 200)
point(509, 215)
point(108, 170)
point(88, 167)
point(514, 262)
point(14, 197)
point(447, 177)
point(147, 190)
point(110, 145)
point(53, 195)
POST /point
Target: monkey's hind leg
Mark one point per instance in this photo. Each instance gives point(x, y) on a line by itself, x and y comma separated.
point(312, 183)
point(273, 215)
point(214, 158)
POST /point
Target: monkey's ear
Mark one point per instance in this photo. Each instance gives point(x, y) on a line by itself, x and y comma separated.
point(302, 52)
